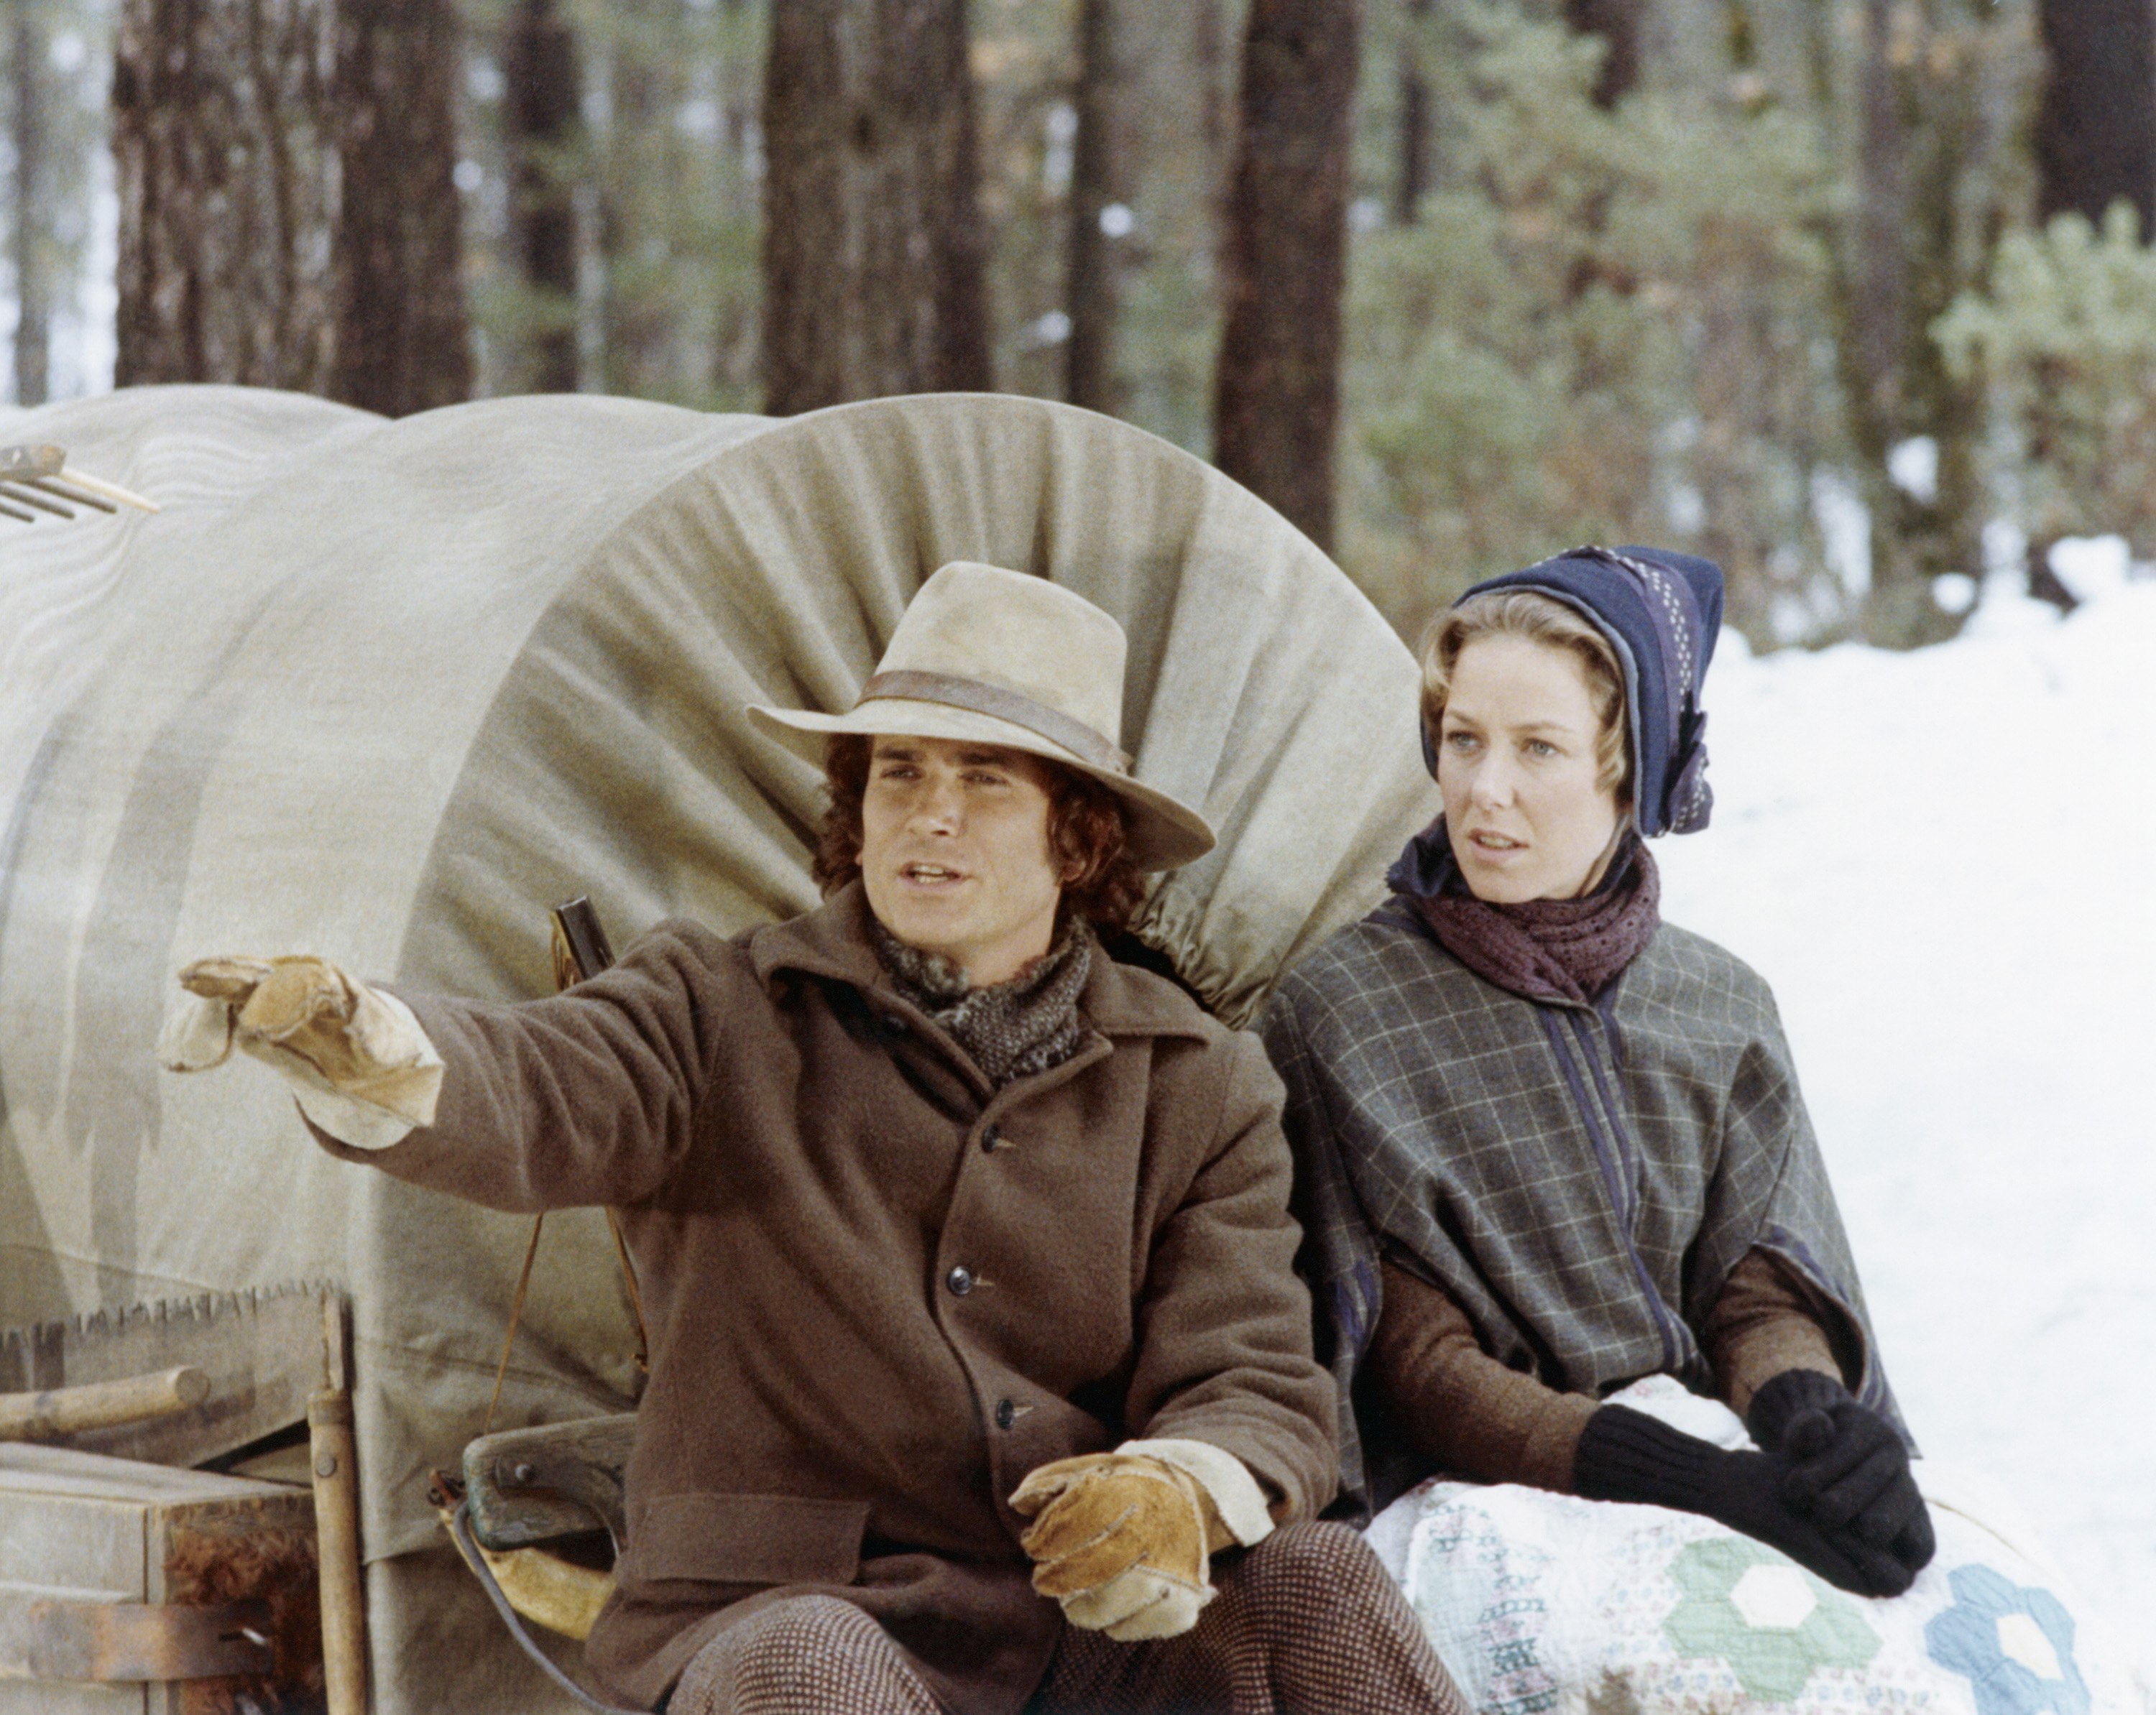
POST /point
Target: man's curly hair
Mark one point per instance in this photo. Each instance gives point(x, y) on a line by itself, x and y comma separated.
point(1088, 828)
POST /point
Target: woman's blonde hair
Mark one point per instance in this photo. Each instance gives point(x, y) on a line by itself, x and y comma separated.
point(1540, 619)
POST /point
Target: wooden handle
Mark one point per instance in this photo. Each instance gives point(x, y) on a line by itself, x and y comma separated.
point(110, 491)
point(100, 1404)
point(337, 1537)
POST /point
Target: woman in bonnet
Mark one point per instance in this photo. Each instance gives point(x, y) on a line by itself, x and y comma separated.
point(1549, 1144)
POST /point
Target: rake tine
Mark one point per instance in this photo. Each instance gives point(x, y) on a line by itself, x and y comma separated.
point(7, 511)
point(70, 491)
point(25, 496)
point(111, 491)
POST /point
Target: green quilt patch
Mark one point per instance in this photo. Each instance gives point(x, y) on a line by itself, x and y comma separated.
point(1773, 1623)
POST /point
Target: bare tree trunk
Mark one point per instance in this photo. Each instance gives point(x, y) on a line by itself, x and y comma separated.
point(1209, 37)
point(1880, 268)
point(1905, 256)
point(225, 142)
point(2095, 133)
point(875, 253)
point(1276, 393)
point(540, 114)
point(637, 199)
point(1096, 186)
point(32, 269)
point(1414, 117)
point(401, 339)
point(1617, 23)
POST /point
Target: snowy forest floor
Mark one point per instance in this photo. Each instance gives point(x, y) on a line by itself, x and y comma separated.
point(1945, 863)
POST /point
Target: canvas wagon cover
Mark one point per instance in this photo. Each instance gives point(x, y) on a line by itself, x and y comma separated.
point(385, 691)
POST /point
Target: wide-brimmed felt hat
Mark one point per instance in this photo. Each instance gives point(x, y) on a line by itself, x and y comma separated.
point(1660, 612)
point(991, 657)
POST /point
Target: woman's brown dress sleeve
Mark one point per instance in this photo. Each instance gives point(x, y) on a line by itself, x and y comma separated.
point(1460, 1406)
point(1473, 1416)
point(1763, 1323)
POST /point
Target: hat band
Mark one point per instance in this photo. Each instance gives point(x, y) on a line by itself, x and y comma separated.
point(972, 695)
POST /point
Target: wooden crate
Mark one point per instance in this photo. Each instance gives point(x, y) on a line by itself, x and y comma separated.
point(152, 1591)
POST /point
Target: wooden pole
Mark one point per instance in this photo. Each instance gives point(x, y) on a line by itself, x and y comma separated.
point(337, 1523)
point(99, 1405)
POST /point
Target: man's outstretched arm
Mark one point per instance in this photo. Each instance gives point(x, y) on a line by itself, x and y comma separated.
point(587, 1097)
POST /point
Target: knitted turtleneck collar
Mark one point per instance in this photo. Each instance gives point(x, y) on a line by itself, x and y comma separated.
point(1011, 1029)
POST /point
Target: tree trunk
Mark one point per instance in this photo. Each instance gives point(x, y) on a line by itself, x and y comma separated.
point(1617, 23)
point(224, 141)
point(2095, 133)
point(1096, 186)
point(875, 254)
point(1276, 394)
point(638, 202)
point(402, 343)
point(1879, 269)
point(1904, 258)
point(1414, 117)
point(32, 269)
point(540, 114)
point(1208, 38)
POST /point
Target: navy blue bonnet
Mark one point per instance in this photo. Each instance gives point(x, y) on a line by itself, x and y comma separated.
point(1660, 612)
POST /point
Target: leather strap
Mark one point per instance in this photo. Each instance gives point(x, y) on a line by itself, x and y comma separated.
point(45, 1638)
point(1000, 704)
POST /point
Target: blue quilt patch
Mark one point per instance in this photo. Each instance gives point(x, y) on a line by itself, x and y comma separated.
point(2015, 1645)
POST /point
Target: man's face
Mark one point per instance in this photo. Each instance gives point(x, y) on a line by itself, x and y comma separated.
point(955, 854)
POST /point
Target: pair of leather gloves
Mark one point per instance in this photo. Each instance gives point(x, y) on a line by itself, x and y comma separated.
point(1830, 1486)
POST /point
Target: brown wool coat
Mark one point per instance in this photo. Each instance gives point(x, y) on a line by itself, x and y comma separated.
point(878, 1293)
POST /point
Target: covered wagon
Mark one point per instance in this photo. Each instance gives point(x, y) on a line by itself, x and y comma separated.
point(388, 691)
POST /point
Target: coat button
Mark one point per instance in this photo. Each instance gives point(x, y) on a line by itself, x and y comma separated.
point(1006, 1414)
point(960, 1280)
point(989, 1139)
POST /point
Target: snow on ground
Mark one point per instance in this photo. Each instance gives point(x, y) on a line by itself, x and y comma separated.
point(1945, 863)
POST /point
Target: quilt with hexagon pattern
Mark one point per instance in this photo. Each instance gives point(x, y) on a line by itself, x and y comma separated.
point(1546, 1605)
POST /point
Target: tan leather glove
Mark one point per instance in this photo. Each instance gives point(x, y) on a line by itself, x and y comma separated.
point(314, 1024)
point(1122, 1542)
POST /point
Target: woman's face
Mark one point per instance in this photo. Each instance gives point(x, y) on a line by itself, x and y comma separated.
point(1528, 817)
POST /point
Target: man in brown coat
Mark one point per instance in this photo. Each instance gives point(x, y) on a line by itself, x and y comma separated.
point(965, 1249)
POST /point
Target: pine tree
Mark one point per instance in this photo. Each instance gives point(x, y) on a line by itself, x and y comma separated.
point(1415, 125)
point(2095, 133)
point(224, 136)
point(402, 341)
point(28, 128)
point(1096, 188)
point(1937, 83)
point(542, 71)
point(875, 254)
point(1616, 23)
point(1276, 396)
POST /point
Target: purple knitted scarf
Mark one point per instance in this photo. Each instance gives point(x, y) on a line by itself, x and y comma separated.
point(1542, 949)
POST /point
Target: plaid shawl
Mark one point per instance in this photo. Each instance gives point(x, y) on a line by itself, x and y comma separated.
point(1582, 1180)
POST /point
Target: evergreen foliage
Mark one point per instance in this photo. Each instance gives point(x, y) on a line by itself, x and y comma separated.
point(2065, 335)
point(1605, 325)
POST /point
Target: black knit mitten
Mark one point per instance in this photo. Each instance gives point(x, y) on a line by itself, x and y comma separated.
point(1849, 1470)
point(1799, 1402)
point(1627, 1456)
